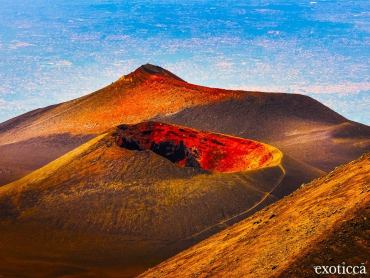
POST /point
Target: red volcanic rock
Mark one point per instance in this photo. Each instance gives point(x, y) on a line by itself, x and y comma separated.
point(192, 148)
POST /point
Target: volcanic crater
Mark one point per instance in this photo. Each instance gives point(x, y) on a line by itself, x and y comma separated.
point(187, 147)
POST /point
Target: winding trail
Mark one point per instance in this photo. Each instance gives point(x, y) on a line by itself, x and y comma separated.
point(233, 219)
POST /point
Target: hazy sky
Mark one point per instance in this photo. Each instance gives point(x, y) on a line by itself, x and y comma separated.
point(52, 51)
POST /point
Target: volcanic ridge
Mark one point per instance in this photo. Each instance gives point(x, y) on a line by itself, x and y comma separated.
point(298, 125)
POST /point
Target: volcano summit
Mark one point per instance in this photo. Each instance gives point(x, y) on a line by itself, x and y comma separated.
point(298, 125)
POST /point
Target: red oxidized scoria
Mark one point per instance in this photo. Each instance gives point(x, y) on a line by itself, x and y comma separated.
point(192, 148)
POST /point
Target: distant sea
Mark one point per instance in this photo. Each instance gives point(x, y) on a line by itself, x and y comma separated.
point(52, 51)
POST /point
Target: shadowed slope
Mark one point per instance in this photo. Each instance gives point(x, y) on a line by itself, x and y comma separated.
point(314, 226)
point(103, 210)
point(20, 158)
point(298, 125)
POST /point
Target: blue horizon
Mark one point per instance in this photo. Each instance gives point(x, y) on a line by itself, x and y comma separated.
point(51, 53)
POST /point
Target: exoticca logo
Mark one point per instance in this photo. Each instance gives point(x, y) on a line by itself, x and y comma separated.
point(341, 269)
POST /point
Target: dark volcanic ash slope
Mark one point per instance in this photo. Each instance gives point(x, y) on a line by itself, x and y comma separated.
point(103, 210)
point(324, 223)
point(298, 125)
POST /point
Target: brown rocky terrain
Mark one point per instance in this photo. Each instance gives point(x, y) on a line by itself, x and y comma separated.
point(106, 209)
point(325, 223)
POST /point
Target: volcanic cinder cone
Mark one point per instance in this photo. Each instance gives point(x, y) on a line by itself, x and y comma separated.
point(298, 125)
point(134, 196)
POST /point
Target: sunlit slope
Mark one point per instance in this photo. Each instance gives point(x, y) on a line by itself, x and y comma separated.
point(108, 211)
point(138, 96)
point(42, 135)
point(324, 223)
